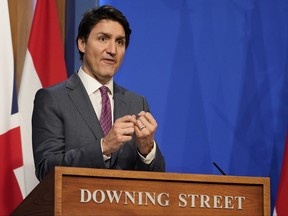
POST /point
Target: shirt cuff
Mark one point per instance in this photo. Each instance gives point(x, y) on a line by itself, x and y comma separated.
point(150, 157)
point(105, 157)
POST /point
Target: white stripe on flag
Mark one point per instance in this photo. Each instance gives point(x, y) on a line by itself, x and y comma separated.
point(30, 83)
point(6, 68)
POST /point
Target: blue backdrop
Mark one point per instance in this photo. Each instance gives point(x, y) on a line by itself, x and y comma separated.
point(215, 76)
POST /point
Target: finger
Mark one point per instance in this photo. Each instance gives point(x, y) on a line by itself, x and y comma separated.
point(143, 121)
point(142, 113)
point(123, 125)
point(141, 129)
point(127, 131)
point(127, 118)
point(140, 123)
point(148, 116)
point(151, 125)
point(137, 131)
point(142, 134)
point(121, 135)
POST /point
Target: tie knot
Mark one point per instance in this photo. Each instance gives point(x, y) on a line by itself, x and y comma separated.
point(104, 90)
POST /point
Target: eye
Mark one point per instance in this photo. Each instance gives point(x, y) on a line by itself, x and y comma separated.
point(102, 39)
point(120, 42)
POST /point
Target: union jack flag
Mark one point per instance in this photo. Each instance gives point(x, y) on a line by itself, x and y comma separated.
point(11, 163)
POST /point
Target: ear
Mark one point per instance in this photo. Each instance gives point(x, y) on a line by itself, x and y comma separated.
point(81, 44)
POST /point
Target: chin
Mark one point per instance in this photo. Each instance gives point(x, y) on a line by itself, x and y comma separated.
point(109, 73)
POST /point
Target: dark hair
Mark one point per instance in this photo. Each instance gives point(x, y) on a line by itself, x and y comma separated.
point(92, 17)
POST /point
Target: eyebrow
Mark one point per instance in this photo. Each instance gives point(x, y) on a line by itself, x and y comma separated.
point(109, 35)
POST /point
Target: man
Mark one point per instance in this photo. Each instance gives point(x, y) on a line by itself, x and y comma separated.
point(72, 121)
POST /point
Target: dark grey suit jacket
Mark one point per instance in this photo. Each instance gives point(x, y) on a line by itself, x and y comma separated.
point(66, 130)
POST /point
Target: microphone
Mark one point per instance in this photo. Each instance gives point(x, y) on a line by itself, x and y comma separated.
point(220, 170)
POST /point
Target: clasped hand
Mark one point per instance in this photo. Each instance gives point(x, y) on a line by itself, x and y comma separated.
point(143, 126)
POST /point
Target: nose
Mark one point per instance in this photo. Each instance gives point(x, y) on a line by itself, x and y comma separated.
point(111, 48)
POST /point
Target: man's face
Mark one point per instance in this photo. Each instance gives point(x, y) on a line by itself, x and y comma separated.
point(104, 50)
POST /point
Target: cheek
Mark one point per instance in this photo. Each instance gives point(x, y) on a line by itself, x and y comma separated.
point(93, 55)
point(93, 48)
point(121, 56)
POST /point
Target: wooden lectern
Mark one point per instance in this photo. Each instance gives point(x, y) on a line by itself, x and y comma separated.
point(83, 191)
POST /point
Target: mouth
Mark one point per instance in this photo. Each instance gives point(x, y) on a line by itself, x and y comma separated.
point(109, 61)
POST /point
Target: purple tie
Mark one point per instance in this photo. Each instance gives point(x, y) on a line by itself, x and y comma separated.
point(105, 118)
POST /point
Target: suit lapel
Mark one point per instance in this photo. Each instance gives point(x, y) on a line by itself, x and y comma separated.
point(120, 105)
point(120, 110)
point(83, 104)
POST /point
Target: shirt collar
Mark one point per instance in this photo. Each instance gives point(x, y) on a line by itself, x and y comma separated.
point(91, 85)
